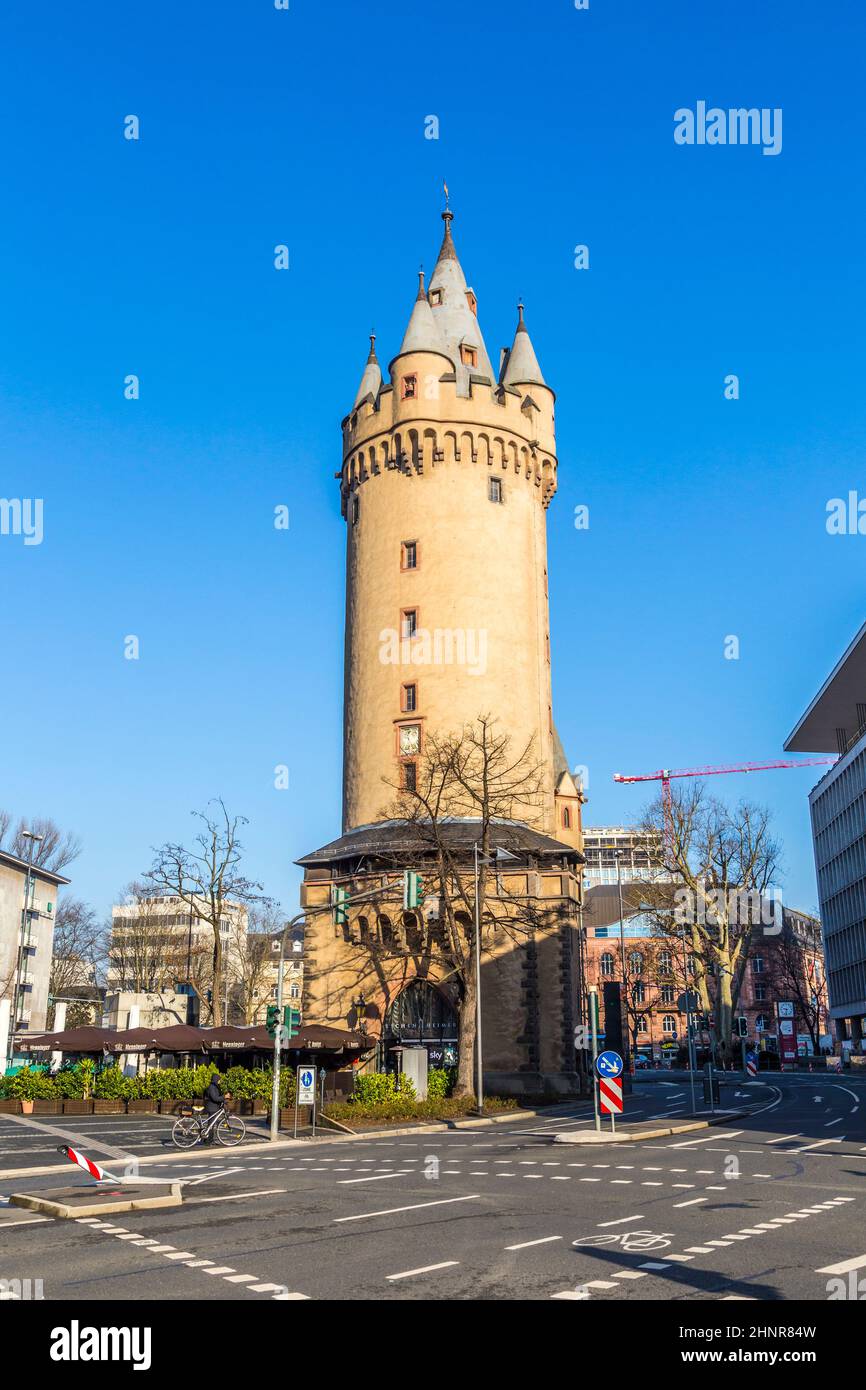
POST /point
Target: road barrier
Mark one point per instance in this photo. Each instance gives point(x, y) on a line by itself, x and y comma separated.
point(97, 1173)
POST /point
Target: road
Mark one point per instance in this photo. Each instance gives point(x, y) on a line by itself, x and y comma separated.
point(769, 1206)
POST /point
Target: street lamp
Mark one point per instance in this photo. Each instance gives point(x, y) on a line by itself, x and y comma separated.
point(624, 1012)
point(32, 839)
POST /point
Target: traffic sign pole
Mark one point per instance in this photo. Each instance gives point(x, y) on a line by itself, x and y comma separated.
point(592, 991)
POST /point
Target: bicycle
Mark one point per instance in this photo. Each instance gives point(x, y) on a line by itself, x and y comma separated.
point(194, 1127)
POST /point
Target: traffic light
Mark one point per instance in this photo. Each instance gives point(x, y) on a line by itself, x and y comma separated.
point(272, 1020)
point(413, 889)
point(742, 1026)
point(293, 1019)
point(341, 912)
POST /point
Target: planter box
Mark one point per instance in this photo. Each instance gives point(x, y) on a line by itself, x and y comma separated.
point(12, 1106)
point(109, 1107)
point(141, 1107)
point(78, 1107)
point(45, 1107)
point(174, 1107)
point(251, 1107)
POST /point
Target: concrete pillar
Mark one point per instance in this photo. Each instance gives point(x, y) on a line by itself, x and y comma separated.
point(857, 1034)
point(59, 1025)
point(5, 1020)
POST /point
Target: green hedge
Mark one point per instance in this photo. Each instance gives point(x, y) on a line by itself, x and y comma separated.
point(399, 1107)
point(79, 1082)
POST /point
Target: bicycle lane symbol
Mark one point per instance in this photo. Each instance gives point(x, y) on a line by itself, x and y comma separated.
point(633, 1242)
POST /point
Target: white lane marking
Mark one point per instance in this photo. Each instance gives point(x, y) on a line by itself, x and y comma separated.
point(240, 1278)
point(161, 1249)
point(628, 1274)
point(198, 1264)
point(571, 1293)
point(833, 1122)
point(700, 1249)
point(844, 1267)
point(236, 1196)
point(820, 1144)
point(681, 1259)
point(687, 1143)
point(693, 1202)
point(622, 1220)
point(783, 1139)
point(28, 1221)
point(525, 1244)
point(416, 1206)
point(424, 1269)
point(594, 1284)
point(654, 1264)
point(180, 1255)
point(380, 1177)
point(220, 1269)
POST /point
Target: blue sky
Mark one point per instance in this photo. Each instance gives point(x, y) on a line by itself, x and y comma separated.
point(306, 127)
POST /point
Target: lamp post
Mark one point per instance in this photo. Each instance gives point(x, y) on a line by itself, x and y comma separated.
point(625, 1032)
point(479, 1085)
point(25, 911)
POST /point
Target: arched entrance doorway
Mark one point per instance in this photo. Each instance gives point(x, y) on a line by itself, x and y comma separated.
point(421, 1014)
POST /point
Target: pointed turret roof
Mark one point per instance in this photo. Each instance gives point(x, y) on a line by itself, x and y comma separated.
point(456, 322)
point(422, 333)
point(371, 380)
point(521, 368)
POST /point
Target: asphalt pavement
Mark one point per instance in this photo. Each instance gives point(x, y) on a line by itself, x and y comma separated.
point(766, 1206)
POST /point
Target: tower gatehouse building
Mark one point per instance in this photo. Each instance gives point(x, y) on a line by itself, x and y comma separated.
point(448, 468)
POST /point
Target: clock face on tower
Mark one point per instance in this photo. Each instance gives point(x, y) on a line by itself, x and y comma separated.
point(410, 740)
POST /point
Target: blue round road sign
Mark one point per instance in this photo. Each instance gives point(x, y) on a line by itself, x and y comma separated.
point(608, 1064)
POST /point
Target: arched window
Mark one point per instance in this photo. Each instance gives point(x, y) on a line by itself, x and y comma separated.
point(607, 963)
point(665, 962)
point(669, 1025)
point(638, 992)
point(635, 963)
point(566, 817)
point(420, 1013)
point(642, 1024)
point(762, 1024)
point(386, 931)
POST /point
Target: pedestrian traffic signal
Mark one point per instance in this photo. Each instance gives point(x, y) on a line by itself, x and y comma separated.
point(293, 1019)
point(272, 1020)
point(413, 890)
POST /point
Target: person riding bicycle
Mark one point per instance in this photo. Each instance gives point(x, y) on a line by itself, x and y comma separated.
point(214, 1102)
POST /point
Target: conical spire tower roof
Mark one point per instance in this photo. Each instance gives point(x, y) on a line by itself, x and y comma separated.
point(422, 333)
point(522, 367)
point(458, 325)
point(371, 380)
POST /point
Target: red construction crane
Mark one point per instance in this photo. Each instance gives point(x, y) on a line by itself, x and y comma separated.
point(665, 774)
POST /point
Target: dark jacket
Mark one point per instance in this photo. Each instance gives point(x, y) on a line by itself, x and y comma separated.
point(213, 1096)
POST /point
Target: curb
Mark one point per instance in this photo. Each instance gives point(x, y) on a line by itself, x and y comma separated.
point(273, 1146)
point(605, 1137)
point(65, 1211)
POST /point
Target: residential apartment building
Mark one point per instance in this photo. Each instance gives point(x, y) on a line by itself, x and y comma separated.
point(159, 945)
point(835, 722)
point(26, 938)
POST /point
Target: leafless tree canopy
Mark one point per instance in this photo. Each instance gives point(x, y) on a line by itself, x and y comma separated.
point(54, 851)
point(474, 774)
point(208, 879)
point(722, 862)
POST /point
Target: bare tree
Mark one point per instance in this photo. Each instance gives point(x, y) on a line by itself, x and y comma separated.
point(254, 959)
point(146, 954)
point(55, 850)
point(208, 879)
point(722, 863)
point(472, 774)
point(795, 974)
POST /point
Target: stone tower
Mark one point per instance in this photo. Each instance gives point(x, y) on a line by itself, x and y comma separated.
point(448, 470)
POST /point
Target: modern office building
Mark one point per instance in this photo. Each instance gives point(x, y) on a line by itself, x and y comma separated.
point(835, 722)
point(639, 852)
